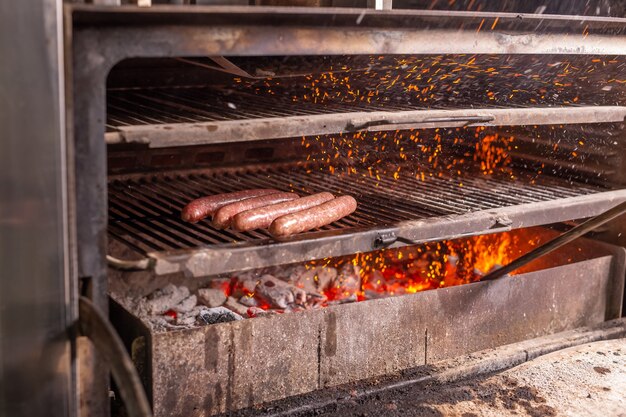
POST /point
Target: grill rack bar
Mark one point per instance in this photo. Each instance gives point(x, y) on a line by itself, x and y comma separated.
point(144, 214)
point(204, 115)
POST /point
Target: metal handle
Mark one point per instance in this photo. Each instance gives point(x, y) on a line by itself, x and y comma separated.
point(559, 241)
point(128, 265)
point(93, 324)
point(467, 119)
point(352, 127)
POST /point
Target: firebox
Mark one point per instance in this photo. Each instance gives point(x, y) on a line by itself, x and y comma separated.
point(364, 316)
point(467, 139)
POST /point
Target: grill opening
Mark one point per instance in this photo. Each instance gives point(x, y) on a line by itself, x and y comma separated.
point(432, 147)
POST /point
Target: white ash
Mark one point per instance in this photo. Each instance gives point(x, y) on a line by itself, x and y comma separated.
point(282, 289)
point(349, 279)
point(187, 319)
point(248, 286)
point(313, 280)
point(234, 305)
point(186, 305)
point(169, 308)
point(248, 301)
point(259, 312)
point(165, 299)
point(219, 283)
point(278, 293)
point(377, 279)
point(211, 297)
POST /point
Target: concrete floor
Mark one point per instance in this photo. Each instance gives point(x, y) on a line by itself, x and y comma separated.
point(587, 380)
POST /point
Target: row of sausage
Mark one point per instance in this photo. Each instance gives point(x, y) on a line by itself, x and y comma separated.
point(282, 213)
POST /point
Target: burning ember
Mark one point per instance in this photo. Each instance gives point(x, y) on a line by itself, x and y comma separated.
point(403, 82)
point(327, 282)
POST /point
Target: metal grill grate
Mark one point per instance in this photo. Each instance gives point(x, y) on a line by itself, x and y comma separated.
point(144, 212)
point(205, 104)
point(203, 115)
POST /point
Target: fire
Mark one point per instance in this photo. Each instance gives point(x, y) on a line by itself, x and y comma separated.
point(378, 274)
point(428, 266)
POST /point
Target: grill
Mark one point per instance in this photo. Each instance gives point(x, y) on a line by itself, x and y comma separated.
point(171, 104)
point(144, 211)
point(202, 104)
point(163, 117)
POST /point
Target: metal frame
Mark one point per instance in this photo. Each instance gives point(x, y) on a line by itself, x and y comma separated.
point(100, 37)
point(201, 262)
point(37, 292)
point(249, 362)
point(179, 134)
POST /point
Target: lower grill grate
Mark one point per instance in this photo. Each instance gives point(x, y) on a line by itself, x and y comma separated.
point(144, 211)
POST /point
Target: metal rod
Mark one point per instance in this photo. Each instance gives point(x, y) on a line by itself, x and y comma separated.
point(128, 265)
point(559, 241)
point(93, 324)
point(351, 127)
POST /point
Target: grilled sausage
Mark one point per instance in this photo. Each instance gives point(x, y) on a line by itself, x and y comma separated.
point(262, 218)
point(206, 206)
point(222, 217)
point(314, 217)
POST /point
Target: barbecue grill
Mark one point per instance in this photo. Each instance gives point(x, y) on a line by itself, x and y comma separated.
point(444, 125)
point(286, 118)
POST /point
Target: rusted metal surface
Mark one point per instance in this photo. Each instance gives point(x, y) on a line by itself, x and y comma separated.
point(234, 365)
point(375, 395)
point(366, 339)
point(164, 135)
point(345, 17)
point(210, 40)
point(202, 261)
point(506, 312)
point(144, 215)
point(100, 37)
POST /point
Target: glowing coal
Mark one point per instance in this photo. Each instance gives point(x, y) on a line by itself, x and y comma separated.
point(322, 283)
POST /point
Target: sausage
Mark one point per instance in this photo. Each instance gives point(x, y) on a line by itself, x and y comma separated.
point(314, 217)
point(262, 218)
point(206, 206)
point(222, 217)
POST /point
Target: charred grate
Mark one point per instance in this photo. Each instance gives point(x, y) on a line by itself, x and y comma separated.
point(144, 211)
point(144, 107)
point(205, 104)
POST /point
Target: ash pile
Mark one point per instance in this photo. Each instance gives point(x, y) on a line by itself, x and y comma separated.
point(250, 294)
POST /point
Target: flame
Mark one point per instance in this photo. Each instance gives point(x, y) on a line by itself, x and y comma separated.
point(428, 266)
point(407, 270)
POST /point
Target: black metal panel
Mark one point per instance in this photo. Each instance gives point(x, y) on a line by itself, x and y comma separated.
point(35, 315)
